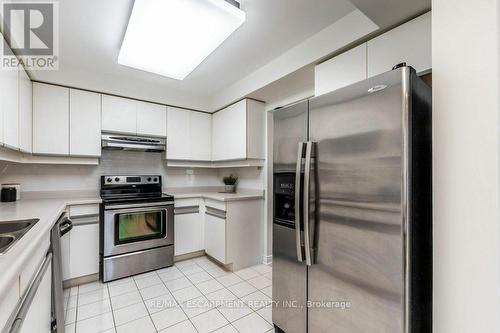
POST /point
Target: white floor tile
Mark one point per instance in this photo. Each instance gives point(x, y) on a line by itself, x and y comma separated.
point(247, 273)
point(124, 300)
point(182, 327)
point(70, 328)
point(129, 313)
point(221, 297)
point(142, 325)
point(73, 300)
point(154, 291)
point(93, 309)
point(92, 286)
point(268, 291)
point(262, 269)
point(252, 323)
point(209, 321)
point(93, 296)
point(189, 270)
point(242, 289)
point(217, 272)
point(73, 291)
point(256, 300)
point(177, 284)
point(144, 275)
point(229, 279)
point(95, 324)
point(160, 303)
point(260, 282)
point(207, 265)
point(120, 281)
point(268, 275)
point(186, 294)
point(226, 329)
point(199, 277)
point(209, 286)
point(185, 263)
point(171, 275)
point(148, 281)
point(123, 288)
point(168, 317)
point(196, 306)
point(70, 316)
point(266, 313)
point(235, 310)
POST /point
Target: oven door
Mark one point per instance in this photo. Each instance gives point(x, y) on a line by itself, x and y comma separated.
point(136, 227)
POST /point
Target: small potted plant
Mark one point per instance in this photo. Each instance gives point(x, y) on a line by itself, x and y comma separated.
point(230, 183)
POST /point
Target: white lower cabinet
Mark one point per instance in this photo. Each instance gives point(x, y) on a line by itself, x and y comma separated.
point(215, 236)
point(84, 250)
point(188, 233)
point(38, 317)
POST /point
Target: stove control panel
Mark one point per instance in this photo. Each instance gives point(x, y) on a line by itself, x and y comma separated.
point(131, 180)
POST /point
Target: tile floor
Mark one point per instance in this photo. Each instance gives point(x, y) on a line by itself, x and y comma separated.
point(194, 295)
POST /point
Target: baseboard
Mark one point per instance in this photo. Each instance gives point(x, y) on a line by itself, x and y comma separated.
point(266, 260)
point(80, 280)
point(190, 255)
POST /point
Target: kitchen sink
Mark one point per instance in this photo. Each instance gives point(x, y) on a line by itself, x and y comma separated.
point(12, 231)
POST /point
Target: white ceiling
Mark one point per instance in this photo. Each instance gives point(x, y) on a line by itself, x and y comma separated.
point(91, 32)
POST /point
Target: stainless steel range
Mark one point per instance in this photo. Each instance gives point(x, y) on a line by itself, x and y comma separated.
point(136, 226)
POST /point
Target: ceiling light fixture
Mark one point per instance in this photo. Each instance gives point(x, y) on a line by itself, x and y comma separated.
point(172, 37)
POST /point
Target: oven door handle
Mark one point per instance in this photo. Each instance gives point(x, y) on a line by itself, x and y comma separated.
point(147, 210)
point(142, 205)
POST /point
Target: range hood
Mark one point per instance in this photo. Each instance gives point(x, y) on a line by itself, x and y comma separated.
point(132, 143)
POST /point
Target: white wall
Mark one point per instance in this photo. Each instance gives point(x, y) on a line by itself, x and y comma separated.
point(466, 166)
point(86, 178)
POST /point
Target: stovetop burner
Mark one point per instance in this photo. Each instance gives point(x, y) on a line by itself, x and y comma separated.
point(124, 188)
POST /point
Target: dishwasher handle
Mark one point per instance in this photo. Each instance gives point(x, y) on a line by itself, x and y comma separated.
point(65, 226)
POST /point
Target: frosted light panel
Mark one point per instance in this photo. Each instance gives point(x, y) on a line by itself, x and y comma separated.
point(172, 37)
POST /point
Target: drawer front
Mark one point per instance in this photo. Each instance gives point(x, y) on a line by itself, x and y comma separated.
point(187, 202)
point(83, 210)
point(221, 205)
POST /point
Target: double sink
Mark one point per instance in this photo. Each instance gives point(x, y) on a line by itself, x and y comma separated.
point(12, 231)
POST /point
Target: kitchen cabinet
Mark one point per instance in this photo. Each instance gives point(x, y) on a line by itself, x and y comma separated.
point(84, 249)
point(189, 135)
point(410, 42)
point(340, 71)
point(215, 234)
point(85, 123)
point(38, 317)
point(119, 115)
point(25, 112)
point(238, 132)
point(151, 119)
point(9, 105)
point(50, 119)
point(189, 227)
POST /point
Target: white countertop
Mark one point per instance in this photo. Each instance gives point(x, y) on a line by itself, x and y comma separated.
point(243, 194)
point(48, 211)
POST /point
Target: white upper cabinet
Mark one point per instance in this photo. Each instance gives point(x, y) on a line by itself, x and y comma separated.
point(85, 123)
point(200, 130)
point(10, 109)
point(119, 115)
point(189, 135)
point(151, 119)
point(410, 43)
point(238, 132)
point(25, 112)
point(341, 71)
point(50, 119)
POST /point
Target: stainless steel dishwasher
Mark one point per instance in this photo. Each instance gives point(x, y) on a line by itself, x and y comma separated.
point(63, 226)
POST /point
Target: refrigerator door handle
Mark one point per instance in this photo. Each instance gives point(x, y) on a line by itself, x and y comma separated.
point(307, 172)
point(298, 241)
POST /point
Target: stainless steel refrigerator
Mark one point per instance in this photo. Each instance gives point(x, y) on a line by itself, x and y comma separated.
point(352, 227)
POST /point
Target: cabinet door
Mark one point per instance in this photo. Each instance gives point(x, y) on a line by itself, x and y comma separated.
point(341, 71)
point(151, 119)
point(410, 43)
point(38, 317)
point(178, 139)
point(200, 131)
point(188, 233)
point(229, 135)
point(10, 108)
point(85, 123)
point(25, 112)
point(84, 250)
point(119, 115)
point(215, 237)
point(65, 257)
point(50, 119)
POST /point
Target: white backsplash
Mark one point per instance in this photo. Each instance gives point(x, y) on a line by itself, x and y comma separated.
point(47, 177)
